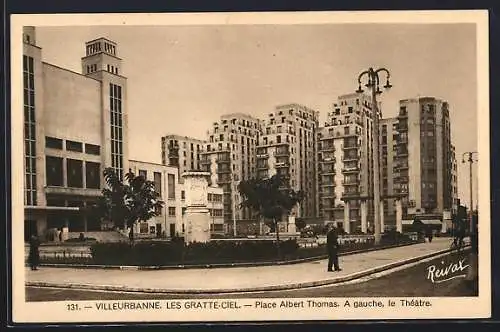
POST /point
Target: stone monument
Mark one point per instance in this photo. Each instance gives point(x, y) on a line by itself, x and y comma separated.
point(197, 218)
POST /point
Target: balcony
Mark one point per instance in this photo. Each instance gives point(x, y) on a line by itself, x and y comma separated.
point(402, 141)
point(350, 146)
point(351, 194)
point(327, 184)
point(402, 127)
point(326, 148)
point(402, 153)
point(205, 161)
point(172, 154)
point(223, 181)
point(281, 153)
point(281, 165)
point(346, 170)
point(327, 194)
point(262, 166)
point(262, 155)
point(401, 166)
point(350, 158)
point(223, 160)
point(224, 170)
point(401, 179)
point(330, 171)
point(350, 182)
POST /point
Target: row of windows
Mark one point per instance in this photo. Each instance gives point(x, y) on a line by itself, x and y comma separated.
point(115, 96)
point(96, 47)
point(74, 173)
point(29, 130)
point(175, 143)
point(74, 146)
point(112, 69)
point(214, 197)
point(91, 68)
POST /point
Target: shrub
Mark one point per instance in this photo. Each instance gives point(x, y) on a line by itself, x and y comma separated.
point(394, 237)
point(79, 240)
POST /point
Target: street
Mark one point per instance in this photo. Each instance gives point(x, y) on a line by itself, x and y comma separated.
point(405, 283)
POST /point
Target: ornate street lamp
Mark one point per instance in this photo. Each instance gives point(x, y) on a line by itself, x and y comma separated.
point(373, 84)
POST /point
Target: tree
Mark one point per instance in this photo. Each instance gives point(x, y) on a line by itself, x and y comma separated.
point(130, 202)
point(271, 198)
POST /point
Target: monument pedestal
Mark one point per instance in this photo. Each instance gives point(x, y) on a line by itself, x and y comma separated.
point(292, 228)
point(197, 217)
point(198, 225)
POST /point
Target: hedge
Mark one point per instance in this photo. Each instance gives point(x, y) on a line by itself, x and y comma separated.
point(172, 253)
point(216, 252)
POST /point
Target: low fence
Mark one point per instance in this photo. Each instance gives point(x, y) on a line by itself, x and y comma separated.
point(62, 252)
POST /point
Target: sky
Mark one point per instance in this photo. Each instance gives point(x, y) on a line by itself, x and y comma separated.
point(182, 78)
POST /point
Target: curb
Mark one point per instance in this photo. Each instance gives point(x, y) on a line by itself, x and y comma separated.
point(217, 265)
point(350, 277)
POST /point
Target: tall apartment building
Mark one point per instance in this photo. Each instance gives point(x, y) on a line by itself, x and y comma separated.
point(345, 174)
point(182, 152)
point(388, 130)
point(288, 147)
point(75, 125)
point(229, 156)
point(454, 181)
point(424, 167)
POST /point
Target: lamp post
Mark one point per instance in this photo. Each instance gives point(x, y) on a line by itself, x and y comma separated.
point(470, 160)
point(233, 202)
point(373, 83)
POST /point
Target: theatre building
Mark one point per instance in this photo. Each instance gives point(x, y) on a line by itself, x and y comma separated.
point(75, 125)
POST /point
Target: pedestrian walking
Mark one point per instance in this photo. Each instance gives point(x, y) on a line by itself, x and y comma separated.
point(332, 244)
point(34, 255)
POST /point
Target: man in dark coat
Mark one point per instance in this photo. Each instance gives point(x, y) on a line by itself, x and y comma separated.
point(34, 256)
point(332, 245)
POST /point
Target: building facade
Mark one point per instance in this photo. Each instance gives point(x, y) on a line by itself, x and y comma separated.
point(388, 139)
point(345, 175)
point(454, 182)
point(229, 155)
point(182, 152)
point(287, 147)
point(424, 169)
point(75, 125)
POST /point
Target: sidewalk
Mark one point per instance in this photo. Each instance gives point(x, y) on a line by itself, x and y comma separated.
point(239, 279)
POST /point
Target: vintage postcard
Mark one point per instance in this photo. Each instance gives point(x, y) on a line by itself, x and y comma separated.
point(231, 167)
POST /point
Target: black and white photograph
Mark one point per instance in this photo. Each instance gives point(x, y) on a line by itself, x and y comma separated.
point(250, 166)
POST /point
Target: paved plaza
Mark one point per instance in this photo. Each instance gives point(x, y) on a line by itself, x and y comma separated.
point(219, 280)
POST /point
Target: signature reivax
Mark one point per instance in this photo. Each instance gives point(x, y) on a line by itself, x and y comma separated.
point(441, 273)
